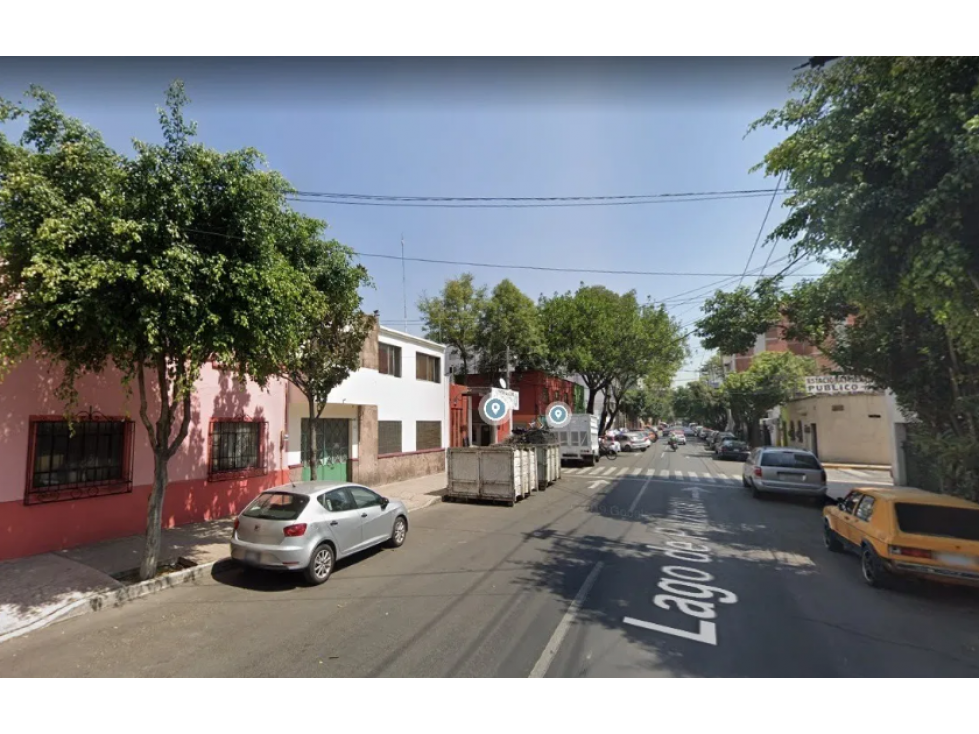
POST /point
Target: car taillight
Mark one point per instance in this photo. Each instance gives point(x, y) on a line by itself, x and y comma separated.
point(294, 531)
point(757, 471)
point(897, 550)
point(237, 523)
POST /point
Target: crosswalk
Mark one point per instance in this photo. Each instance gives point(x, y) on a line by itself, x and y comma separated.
point(622, 472)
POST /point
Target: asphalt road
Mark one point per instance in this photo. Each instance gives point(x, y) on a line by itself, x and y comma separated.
point(562, 584)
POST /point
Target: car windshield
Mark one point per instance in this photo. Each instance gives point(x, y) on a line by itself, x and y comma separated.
point(789, 460)
point(948, 522)
point(276, 506)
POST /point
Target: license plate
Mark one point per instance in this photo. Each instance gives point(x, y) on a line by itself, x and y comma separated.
point(792, 477)
point(955, 559)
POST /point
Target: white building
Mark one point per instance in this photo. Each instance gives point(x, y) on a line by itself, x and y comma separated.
point(388, 421)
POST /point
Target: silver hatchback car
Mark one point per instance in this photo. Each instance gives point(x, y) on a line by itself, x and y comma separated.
point(309, 526)
point(790, 471)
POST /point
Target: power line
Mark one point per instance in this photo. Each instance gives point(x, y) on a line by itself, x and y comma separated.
point(389, 197)
point(546, 268)
point(523, 203)
point(761, 230)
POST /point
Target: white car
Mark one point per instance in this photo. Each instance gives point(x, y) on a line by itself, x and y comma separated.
point(680, 438)
point(639, 441)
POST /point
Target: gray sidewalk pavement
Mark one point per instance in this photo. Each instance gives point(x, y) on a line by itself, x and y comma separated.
point(38, 590)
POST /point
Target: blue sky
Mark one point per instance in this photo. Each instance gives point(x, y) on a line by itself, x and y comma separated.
point(449, 128)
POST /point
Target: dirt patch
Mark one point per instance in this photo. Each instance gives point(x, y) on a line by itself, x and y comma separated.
point(131, 576)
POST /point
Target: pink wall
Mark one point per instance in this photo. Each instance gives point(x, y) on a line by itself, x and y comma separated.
point(29, 390)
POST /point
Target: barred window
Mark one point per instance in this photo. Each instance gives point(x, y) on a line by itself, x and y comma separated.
point(428, 435)
point(92, 457)
point(389, 437)
point(237, 447)
point(389, 359)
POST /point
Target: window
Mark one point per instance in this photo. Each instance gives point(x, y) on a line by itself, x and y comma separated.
point(428, 435)
point(389, 359)
point(90, 459)
point(364, 498)
point(338, 500)
point(276, 506)
point(851, 501)
point(428, 368)
point(949, 522)
point(237, 448)
point(866, 508)
point(789, 460)
point(388, 437)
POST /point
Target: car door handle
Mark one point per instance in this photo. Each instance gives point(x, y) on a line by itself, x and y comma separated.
point(335, 522)
point(364, 515)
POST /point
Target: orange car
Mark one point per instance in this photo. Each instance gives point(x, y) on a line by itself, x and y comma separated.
point(899, 531)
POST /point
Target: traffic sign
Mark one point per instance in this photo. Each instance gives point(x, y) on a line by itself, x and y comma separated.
point(494, 410)
point(558, 415)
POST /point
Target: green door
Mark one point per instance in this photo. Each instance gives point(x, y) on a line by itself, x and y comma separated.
point(333, 437)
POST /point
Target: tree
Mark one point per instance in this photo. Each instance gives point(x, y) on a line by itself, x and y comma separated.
point(453, 316)
point(611, 341)
point(333, 327)
point(732, 321)
point(155, 264)
point(773, 379)
point(700, 402)
point(509, 332)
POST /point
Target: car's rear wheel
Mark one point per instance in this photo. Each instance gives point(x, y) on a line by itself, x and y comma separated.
point(874, 573)
point(399, 533)
point(744, 482)
point(320, 565)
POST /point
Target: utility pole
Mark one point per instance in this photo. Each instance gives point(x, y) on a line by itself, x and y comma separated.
point(508, 368)
point(404, 281)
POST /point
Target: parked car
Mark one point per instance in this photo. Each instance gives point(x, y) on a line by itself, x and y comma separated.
point(716, 439)
point(309, 526)
point(898, 531)
point(732, 448)
point(782, 470)
point(638, 441)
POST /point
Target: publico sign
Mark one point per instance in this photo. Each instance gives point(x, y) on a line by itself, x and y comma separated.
point(837, 385)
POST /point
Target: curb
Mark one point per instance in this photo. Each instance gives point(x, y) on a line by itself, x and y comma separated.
point(114, 598)
point(859, 467)
point(118, 597)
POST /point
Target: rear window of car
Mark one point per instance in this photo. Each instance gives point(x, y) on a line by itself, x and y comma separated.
point(949, 522)
point(277, 506)
point(789, 460)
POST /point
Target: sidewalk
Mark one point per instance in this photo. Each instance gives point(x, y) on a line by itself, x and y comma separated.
point(39, 590)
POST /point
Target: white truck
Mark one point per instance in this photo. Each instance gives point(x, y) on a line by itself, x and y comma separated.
point(579, 439)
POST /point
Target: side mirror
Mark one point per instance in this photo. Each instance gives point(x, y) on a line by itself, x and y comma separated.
point(385, 502)
point(841, 504)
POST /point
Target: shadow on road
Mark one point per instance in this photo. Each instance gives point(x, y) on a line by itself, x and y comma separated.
point(231, 573)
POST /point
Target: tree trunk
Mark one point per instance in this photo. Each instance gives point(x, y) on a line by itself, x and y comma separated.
point(314, 458)
point(154, 516)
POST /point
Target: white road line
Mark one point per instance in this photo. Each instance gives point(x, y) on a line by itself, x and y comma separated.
point(570, 471)
point(692, 476)
point(710, 478)
point(676, 475)
point(623, 470)
point(607, 471)
point(650, 472)
point(554, 644)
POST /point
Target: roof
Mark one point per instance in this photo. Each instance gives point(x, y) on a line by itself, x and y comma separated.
point(310, 487)
point(916, 496)
point(405, 336)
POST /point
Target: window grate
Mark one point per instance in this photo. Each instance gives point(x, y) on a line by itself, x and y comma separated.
point(428, 435)
point(389, 437)
point(89, 458)
point(237, 447)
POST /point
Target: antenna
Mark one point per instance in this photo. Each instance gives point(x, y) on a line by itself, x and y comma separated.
point(404, 280)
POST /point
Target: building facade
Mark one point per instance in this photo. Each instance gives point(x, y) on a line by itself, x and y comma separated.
point(773, 341)
point(67, 485)
point(387, 422)
point(536, 389)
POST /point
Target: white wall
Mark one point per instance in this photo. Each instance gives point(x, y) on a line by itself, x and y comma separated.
point(404, 398)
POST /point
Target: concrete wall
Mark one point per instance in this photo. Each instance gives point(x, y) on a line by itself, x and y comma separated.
point(848, 435)
point(191, 497)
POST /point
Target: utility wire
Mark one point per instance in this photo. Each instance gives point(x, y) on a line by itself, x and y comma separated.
point(669, 195)
point(761, 229)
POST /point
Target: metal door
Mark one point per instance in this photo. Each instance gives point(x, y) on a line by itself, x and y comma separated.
point(333, 439)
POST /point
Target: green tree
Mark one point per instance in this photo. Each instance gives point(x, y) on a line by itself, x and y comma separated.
point(452, 317)
point(155, 263)
point(333, 326)
point(509, 332)
point(701, 403)
point(773, 379)
point(611, 341)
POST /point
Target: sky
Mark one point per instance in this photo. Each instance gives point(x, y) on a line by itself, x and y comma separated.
point(482, 128)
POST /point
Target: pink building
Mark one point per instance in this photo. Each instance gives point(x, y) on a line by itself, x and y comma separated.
point(61, 489)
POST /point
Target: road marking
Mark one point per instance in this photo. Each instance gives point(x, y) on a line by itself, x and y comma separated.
point(623, 470)
point(608, 471)
point(571, 471)
point(710, 478)
point(597, 483)
point(554, 644)
point(650, 472)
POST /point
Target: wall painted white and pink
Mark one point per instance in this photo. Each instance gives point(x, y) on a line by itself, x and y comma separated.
point(29, 392)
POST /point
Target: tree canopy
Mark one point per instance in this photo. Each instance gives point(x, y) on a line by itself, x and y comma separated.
point(155, 263)
point(508, 329)
point(453, 316)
